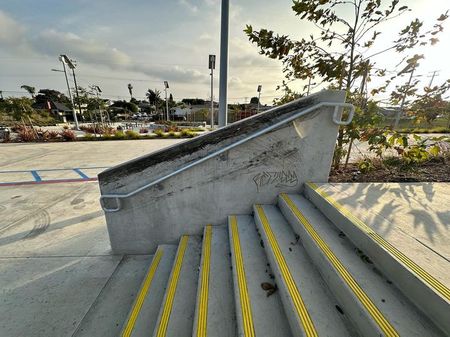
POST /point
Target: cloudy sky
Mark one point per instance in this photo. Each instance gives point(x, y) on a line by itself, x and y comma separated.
point(145, 42)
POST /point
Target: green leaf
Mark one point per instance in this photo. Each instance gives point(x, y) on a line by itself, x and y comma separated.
point(434, 150)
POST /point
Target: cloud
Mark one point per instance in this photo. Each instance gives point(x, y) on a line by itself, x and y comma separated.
point(51, 42)
point(193, 8)
point(12, 34)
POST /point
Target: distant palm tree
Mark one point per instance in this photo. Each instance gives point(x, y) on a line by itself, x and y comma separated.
point(154, 97)
point(130, 90)
point(31, 90)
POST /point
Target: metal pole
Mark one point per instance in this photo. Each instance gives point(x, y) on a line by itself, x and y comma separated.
point(399, 113)
point(167, 106)
point(309, 86)
point(212, 98)
point(76, 90)
point(259, 100)
point(432, 78)
point(223, 106)
point(70, 97)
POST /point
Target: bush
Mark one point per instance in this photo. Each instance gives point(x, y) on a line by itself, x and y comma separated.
point(26, 134)
point(143, 130)
point(130, 134)
point(88, 136)
point(185, 132)
point(52, 134)
point(159, 132)
point(119, 135)
point(172, 133)
point(68, 135)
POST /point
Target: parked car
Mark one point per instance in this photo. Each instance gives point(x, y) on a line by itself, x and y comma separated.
point(5, 132)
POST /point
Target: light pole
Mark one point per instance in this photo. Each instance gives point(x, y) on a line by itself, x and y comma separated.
point(166, 86)
point(212, 66)
point(71, 65)
point(97, 91)
point(75, 118)
point(223, 106)
point(259, 96)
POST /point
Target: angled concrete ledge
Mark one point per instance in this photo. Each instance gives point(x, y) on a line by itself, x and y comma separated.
point(280, 160)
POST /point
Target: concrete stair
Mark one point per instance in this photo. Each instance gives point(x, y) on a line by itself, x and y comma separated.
point(291, 269)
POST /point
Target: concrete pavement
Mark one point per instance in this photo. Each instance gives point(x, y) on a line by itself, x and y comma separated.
point(56, 264)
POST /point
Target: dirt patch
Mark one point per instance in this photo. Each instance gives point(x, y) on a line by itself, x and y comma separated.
point(432, 171)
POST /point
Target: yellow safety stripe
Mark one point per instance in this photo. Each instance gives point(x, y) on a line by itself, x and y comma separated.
point(173, 283)
point(371, 308)
point(204, 285)
point(249, 330)
point(142, 293)
point(302, 312)
point(426, 277)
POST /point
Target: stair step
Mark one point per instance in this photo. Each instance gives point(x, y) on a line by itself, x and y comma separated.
point(142, 317)
point(311, 309)
point(374, 306)
point(257, 314)
point(176, 315)
point(215, 313)
point(430, 295)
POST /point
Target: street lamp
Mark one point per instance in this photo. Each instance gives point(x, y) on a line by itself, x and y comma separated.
point(97, 91)
point(75, 119)
point(166, 86)
point(259, 95)
point(65, 60)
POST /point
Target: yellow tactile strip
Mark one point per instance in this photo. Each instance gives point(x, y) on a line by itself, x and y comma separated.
point(143, 293)
point(427, 278)
point(204, 285)
point(384, 325)
point(171, 290)
point(244, 298)
point(302, 312)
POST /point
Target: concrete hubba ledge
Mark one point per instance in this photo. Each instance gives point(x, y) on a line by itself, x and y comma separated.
point(256, 171)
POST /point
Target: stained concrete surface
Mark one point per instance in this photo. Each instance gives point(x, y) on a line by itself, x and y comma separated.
point(56, 265)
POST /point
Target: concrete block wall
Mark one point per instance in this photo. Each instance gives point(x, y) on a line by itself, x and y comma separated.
point(253, 172)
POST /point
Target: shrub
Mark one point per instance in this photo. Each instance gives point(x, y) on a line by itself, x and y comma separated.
point(88, 136)
point(66, 127)
point(159, 132)
point(119, 135)
point(143, 130)
point(365, 166)
point(172, 133)
point(130, 134)
point(52, 134)
point(26, 135)
point(185, 132)
point(68, 135)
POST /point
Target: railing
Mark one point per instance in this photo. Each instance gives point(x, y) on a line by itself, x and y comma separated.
point(336, 119)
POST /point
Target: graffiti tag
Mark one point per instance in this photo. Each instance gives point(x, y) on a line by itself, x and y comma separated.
point(278, 179)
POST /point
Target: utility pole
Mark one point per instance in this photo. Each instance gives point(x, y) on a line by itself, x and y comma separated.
point(223, 91)
point(400, 112)
point(212, 66)
point(432, 78)
point(166, 86)
point(309, 86)
point(259, 96)
point(75, 118)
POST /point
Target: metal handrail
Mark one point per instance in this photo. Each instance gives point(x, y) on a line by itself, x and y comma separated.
point(336, 119)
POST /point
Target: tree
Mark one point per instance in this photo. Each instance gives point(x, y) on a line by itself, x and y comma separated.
point(171, 101)
point(45, 95)
point(254, 100)
point(17, 107)
point(342, 52)
point(31, 90)
point(130, 90)
point(154, 97)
